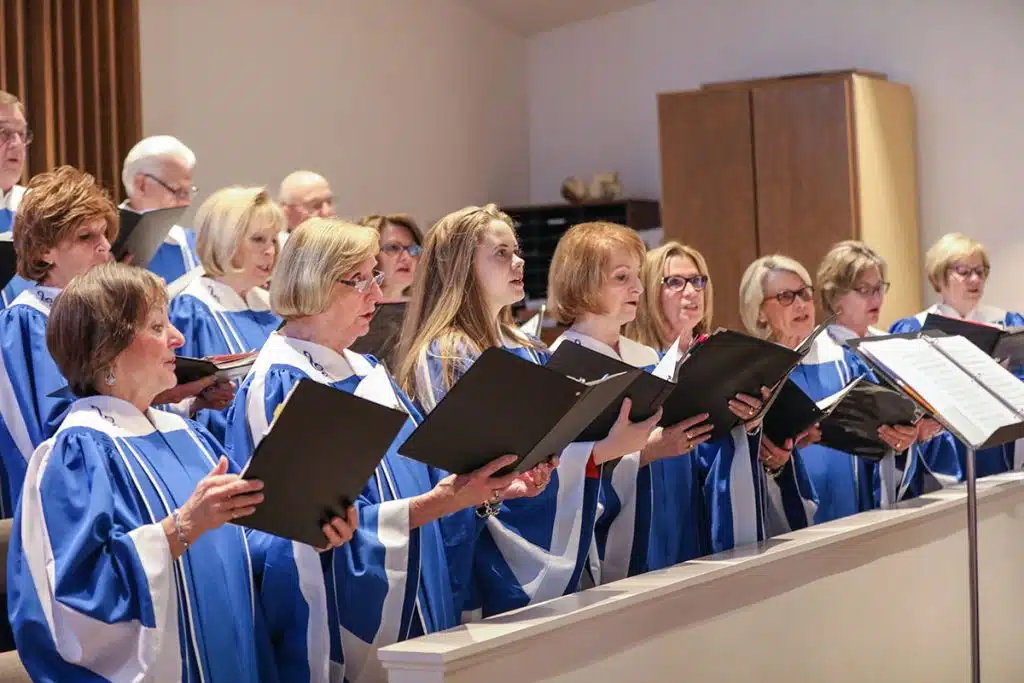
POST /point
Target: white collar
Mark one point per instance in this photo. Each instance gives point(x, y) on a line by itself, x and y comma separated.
point(221, 297)
point(119, 418)
point(825, 349)
point(631, 352)
point(12, 198)
point(843, 334)
point(37, 297)
point(981, 314)
point(318, 362)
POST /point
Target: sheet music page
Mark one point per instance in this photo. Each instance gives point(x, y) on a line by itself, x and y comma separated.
point(984, 368)
point(968, 407)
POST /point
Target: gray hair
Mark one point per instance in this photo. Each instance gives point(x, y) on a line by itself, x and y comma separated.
point(147, 155)
point(752, 288)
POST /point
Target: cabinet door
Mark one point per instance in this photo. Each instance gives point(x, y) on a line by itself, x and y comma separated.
point(707, 186)
point(805, 167)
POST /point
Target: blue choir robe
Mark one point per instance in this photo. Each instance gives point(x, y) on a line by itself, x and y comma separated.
point(387, 584)
point(989, 460)
point(536, 548)
point(922, 468)
point(29, 415)
point(9, 202)
point(214, 319)
point(718, 495)
point(94, 592)
point(624, 495)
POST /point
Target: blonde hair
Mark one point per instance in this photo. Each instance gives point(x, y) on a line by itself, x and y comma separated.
point(578, 267)
point(944, 253)
point(446, 305)
point(226, 219)
point(752, 288)
point(318, 253)
point(651, 326)
point(843, 264)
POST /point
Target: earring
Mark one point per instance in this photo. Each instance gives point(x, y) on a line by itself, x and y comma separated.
point(110, 378)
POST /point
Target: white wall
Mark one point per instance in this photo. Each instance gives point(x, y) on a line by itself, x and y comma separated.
point(593, 86)
point(404, 105)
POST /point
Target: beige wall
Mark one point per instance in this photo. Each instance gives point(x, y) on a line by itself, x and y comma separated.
point(405, 105)
point(593, 87)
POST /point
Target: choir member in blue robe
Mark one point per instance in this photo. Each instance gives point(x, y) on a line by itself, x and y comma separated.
point(470, 274)
point(303, 195)
point(957, 268)
point(157, 174)
point(391, 582)
point(63, 228)
point(227, 310)
point(595, 309)
point(851, 283)
point(14, 140)
point(714, 495)
point(123, 563)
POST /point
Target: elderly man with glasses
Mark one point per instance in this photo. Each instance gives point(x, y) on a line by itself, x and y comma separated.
point(157, 174)
point(302, 195)
point(15, 138)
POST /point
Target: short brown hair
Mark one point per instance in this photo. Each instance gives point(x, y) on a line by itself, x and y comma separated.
point(402, 220)
point(839, 270)
point(55, 204)
point(96, 317)
point(577, 267)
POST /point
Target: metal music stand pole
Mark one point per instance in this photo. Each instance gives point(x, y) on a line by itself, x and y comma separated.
point(972, 564)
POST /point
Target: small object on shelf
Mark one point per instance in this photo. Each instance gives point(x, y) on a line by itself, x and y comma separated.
point(574, 190)
point(605, 187)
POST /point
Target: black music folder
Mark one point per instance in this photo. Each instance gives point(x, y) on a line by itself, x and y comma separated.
point(792, 413)
point(852, 426)
point(141, 234)
point(505, 405)
point(8, 262)
point(381, 341)
point(227, 367)
point(322, 448)
point(995, 341)
point(647, 392)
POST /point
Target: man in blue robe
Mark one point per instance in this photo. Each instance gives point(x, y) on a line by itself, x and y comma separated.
point(157, 174)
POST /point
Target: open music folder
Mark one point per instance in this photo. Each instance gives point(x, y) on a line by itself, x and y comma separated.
point(323, 446)
point(505, 405)
point(8, 262)
point(227, 367)
point(1000, 343)
point(954, 381)
point(141, 234)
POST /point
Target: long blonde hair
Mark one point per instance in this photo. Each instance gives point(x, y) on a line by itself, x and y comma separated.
point(651, 326)
point(446, 304)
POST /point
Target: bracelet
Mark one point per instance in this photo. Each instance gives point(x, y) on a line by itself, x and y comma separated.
point(774, 474)
point(489, 509)
point(181, 532)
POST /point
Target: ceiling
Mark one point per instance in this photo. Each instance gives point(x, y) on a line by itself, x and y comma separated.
point(529, 17)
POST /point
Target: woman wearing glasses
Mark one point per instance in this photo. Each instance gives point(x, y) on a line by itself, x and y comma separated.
point(400, 246)
point(693, 511)
point(957, 268)
point(852, 286)
point(391, 581)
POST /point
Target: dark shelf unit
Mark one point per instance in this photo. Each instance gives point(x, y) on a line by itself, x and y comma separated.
point(541, 226)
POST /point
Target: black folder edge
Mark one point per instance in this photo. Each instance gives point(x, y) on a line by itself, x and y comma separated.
point(8, 262)
point(821, 413)
point(343, 500)
point(883, 446)
point(956, 327)
point(130, 220)
point(187, 369)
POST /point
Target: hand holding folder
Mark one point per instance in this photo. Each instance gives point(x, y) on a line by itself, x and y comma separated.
point(321, 450)
point(227, 367)
point(507, 405)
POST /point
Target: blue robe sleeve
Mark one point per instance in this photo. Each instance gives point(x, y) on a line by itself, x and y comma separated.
point(28, 377)
point(905, 326)
point(92, 587)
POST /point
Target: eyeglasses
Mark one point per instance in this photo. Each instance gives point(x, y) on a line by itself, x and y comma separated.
point(395, 249)
point(677, 283)
point(787, 296)
point(180, 193)
point(966, 271)
point(872, 290)
point(7, 135)
point(362, 285)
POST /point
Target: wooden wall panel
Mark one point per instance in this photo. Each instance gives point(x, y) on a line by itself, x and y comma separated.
point(708, 194)
point(75, 65)
point(804, 167)
point(886, 153)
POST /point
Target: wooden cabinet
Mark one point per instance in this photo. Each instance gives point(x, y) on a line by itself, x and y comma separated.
point(792, 166)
